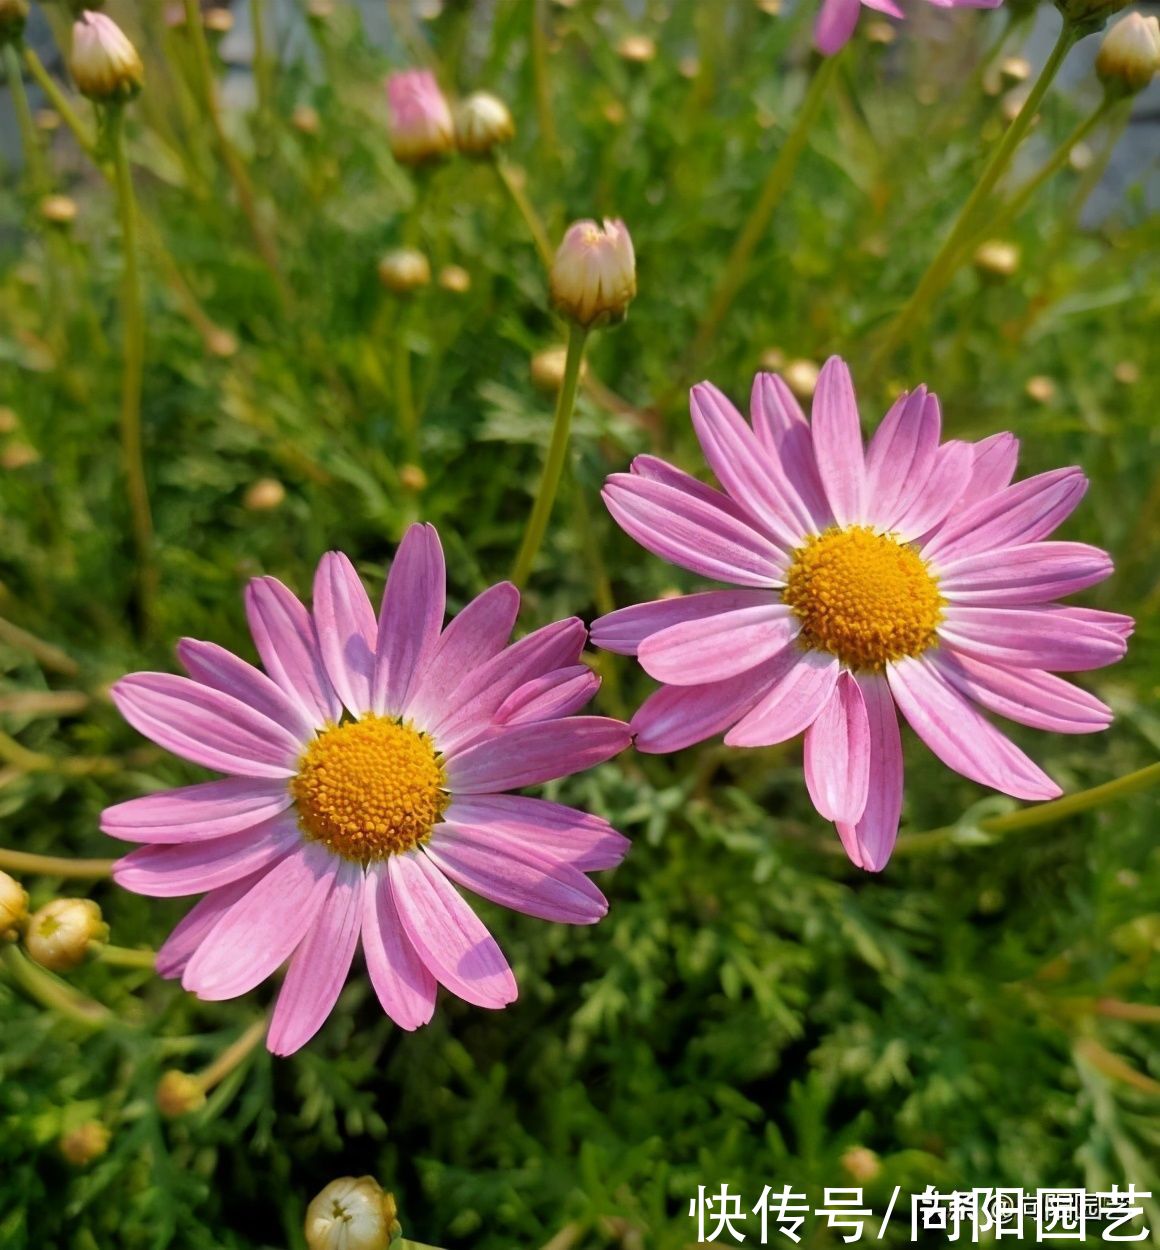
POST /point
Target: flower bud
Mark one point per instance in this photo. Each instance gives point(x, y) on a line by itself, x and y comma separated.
point(264, 495)
point(81, 1145)
point(412, 478)
point(58, 210)
point(483, 122)
point(13, 15)
point(351, 1213)
point(305, 119)
point(1089, 14)
point(801, 376)
point(593, 276)
point(1040, 388)
point(404, 270)
point(996, 258)
point(178, 1094)
point(1126, 372)
point(218, 20)
point(455, 278)
point(104, 64)
point(13, 907)
point(637, 49)
point(62, 934)
point(420, 126)
point(547, 369)
point(861, 1164)
point(1130, 54)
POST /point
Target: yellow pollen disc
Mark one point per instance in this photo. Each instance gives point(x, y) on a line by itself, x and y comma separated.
point(865, 597)
point(369, 788)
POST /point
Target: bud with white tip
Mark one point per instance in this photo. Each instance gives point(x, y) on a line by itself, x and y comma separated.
point(593, 278)
point(483, 122)
point(404, 270)
point(64, 933)
point(104, 64)
point(13, 907)
point(1130, 54)
point(420, 127)
point(351, 1213)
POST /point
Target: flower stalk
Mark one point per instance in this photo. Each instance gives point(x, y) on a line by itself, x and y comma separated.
point(557, 453)
point(33, 158)
point(55, 865)
point(942, 268)
point(133, 350)
point(513, 183)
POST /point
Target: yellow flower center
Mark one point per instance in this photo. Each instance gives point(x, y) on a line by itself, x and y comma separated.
point(865, 597)
point(370, 788)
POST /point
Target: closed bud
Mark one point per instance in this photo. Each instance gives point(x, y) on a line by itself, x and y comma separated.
point(593, 278)
point(483, 122)
point(218, 20)
point(412, 478)
point(1089, 15)
point(996, 258)
point(637, 49)
point(13, 15)
point(178, 1094)
point(85, 1143)
point(455, 278)
point(404, 270)
point(547, 369)
point(305, 119)
point(861, 1164)
point(63, 933)
point(351, 1213)
point(58, 210)
point(1040, 388)
point(13, 907)
point(1130, 54)
point(104, 64)
point(801, 376)
point(264, 495)
point(420, 127)
point(1126, 372)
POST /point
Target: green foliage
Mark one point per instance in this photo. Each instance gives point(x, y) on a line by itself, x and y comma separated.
point(753, 1006)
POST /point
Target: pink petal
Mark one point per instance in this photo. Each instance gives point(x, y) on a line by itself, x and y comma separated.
point(835, 24)
point(347, 632)
point(286, 640)
point(1032, 636)
point(512, 875)
point(414, 601)
point(319, 967)
point(782, 430)
point(1027, 695)
point(563, 833)
point(798, 691)
point(551, 697)
point(527, 755)
point(960, 736)
point(262, 930)
point(449, 937)
point(220, 669)
point(838, 435)
point(900, 456)
point(653, 469)
point(474, 636)
point(625, 629)
point(192, 813)
point(470, 710)
point(943, 486)
point(206, 726)
point(837, 754)
point(1018, 514)
point(179, 947)
point(992, 468)
point(692, 534)
point(1032, 573)
point(715, 648)
point(751, 477)
point(405, 989)
point(870, 841)
point(1093, 618)
point(194, 867)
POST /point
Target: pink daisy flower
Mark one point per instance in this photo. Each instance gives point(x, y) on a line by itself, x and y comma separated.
point(905, 574)
point(364, 775)
point(837, 18)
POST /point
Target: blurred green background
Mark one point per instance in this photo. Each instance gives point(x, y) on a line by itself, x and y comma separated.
point(753, 1007)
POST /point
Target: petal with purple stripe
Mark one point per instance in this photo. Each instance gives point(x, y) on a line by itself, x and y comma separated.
point(211, 809)
point(347, 632)
point(1037, 637)
point(405, 989)
point(220, 669)
point(871, 839)
point(837, 754)
point(578, 838)
point(715, 648)
point(838, 440)
point(791, 701)
point(414, 601)
point(625, 629)
point(1030, 574)
point(527, 755)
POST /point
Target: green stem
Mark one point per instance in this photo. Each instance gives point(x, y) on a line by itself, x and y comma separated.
point(133, 325)
point(1019, 201)
point(44, 653)
point(233, 1054)
point(776, 183)
point(541, 81)
point(261, 58)
point(512, 182)
point(557, 453)
point(125, 957)
point(51, 993)
point(33, 158)
point(404, 392)
point(59, 101)
point(1044, 813)
point(945, 262)
point(54, 865)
